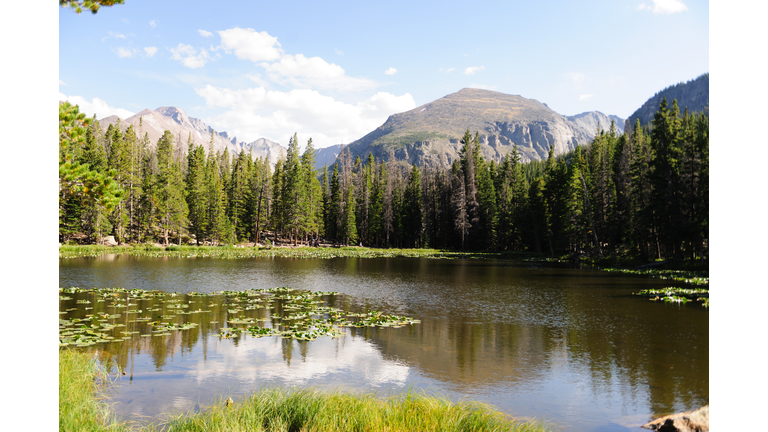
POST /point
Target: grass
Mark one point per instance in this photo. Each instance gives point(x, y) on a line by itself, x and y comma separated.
point(272, 409)
point(233, 252)
point(80, 407)
point(313, 410)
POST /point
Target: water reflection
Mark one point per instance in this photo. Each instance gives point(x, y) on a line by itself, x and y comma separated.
point(570, 345)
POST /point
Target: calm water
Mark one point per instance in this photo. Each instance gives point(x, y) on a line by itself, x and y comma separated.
point(569, 345)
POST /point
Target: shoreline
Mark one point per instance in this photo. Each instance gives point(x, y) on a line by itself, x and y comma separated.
point(82, 406)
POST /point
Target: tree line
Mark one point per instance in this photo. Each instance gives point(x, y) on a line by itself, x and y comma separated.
point(642, 194)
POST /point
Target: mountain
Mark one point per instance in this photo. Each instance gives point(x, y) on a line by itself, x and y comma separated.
point(156, 122)
point(429, 135)
point(591, 120)
point(693, 95)
point(327, 156)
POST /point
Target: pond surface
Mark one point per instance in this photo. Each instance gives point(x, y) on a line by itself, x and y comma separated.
point(572, 346)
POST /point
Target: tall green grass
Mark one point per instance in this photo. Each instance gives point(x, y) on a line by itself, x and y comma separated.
point(80, 408)
point(273, 410)
point(312, 410)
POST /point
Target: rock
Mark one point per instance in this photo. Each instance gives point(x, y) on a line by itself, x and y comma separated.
point(689, 421)
point(108, 240)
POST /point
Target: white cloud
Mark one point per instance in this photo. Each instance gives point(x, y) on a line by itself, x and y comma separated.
point(96, 106)
point(251, 45)
point(473, 70)
point(205, 33)
point(125, 52)
point(115, 35)
point(585, 97)
point(449, 70)
point(662, 7)
point(577, 77)
point(390, 71)
point(189, 56)
point(61, 82)
point(150, 51)
point(257, 112)
point(314, 72)
point(339, 52)
point(125, 21)
point(153, 23)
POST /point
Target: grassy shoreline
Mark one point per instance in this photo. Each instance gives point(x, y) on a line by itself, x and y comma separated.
point(272, 409)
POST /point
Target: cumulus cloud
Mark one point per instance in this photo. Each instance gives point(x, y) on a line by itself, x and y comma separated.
point(314, 72)
point(448, 70)
point(189, 56)
point(585, 97)
point(95, 106)
point(151, 51)
point(125, 52)
point(248, 44)
point(390, 71)
point(61, 82)
point(663, 7)
point(257, 112)
point(339, 52)
point(473, 70)
point(205, 33)
point(153, 23)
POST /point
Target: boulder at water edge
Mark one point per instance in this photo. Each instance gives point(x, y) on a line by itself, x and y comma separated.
point(689, 421)
point(109, 241)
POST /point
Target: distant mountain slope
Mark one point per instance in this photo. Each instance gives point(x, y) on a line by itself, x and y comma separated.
point(429, 135)
point(590, 121)
point(693, 94)
point(156, 122)
point(327, 156)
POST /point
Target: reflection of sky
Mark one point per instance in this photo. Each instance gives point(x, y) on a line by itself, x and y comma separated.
point(260, 360)
point(197, 378)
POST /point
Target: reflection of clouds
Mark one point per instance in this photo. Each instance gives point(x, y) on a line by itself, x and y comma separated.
point(257, 360)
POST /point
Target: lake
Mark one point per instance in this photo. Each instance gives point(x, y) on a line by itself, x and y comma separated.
point(547, 341)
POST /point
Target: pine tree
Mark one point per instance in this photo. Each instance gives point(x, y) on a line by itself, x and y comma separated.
point(76, 180)
point(260, 195)
point(412, 221)
point(172, 207)
point(312, 218)
point(461, 218)
point(196, 191)
point(239, 194)
point(334, 218)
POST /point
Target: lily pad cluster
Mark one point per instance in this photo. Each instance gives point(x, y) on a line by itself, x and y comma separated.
point(685, 276)
point(677, 295)
point(113, 315)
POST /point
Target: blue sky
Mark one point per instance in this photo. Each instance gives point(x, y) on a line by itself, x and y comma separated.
point(335, 70)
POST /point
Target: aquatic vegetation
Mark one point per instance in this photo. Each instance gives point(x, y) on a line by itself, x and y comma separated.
point(686, 276)
point(677, 295)
point(291, 314)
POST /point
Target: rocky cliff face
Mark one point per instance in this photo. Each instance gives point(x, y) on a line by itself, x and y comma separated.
point(590, 121)
point(155, 123)
point(429, 135)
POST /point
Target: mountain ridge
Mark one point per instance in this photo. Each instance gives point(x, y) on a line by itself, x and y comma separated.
point(155, 122)
point(429, 135)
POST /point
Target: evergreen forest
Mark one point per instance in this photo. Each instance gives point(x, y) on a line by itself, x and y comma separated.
point(643, 194)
